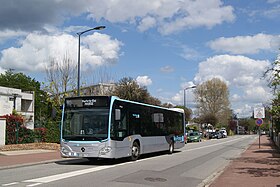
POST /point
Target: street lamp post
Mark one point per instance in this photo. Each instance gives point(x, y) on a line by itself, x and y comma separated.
point(79, 34)
point(185, 94)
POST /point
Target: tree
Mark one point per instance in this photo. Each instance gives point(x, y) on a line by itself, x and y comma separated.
point(273, 75)
point(61, 78)
point(187, 111)
point(127, 88)
point(248, 123)
point(19, 81)
point(212, 97)
point(275, 112)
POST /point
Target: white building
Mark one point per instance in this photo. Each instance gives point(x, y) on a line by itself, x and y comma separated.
point(22, 102)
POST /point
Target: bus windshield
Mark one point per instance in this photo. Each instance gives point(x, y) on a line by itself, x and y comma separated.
point(85, 124)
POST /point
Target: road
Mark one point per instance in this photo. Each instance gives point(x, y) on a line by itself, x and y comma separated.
point(191, 166)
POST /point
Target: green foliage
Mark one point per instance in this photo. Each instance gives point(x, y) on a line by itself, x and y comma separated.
point(188, 112)
point(248, 123)
point(53, 132)
point(25, 135)
point(192, 127)
point(273, 75)
point(19, 81)
point(40, 134)
point(275, 112)
point(209, 119)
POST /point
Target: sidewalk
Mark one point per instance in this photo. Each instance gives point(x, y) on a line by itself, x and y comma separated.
point(11, 159)
point(256, 167)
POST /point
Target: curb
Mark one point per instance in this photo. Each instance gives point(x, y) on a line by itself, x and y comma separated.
point(29, 164)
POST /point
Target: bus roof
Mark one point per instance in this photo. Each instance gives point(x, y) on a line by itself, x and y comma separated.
point(128, 101)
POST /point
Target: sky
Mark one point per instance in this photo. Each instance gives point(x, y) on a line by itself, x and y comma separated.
point(165, 45)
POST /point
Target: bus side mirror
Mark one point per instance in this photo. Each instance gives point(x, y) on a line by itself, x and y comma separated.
point(117, 114)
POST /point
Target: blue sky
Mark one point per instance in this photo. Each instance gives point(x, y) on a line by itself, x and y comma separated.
point(166, 45)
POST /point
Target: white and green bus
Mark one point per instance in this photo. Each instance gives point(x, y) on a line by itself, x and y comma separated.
point(109, 127)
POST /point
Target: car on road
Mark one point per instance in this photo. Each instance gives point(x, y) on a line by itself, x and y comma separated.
point(194, 137)
point(224, 133)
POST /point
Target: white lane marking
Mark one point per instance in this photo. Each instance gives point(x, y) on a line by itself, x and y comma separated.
point(67, 175)
point(36, 184)
point(10, 184)
point(202, 147)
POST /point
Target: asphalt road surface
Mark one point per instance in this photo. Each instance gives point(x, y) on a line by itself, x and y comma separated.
point(194, 165)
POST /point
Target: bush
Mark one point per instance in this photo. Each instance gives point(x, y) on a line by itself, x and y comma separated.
point(16, 132)
point(40, 134)
point(25, 135)
point(52, 132)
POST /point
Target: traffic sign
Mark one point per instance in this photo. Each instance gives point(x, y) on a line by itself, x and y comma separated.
point(259, 112)
point(259, 122)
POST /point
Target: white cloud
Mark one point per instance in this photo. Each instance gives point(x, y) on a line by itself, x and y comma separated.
point(167, 69)
point(272, 12)
point(169, 15)
point(144, 80)
point(195, 14)
point(244, 111)
point(243, 75)
point(146, 23)
point(36, 50)
point(246, 44)
point(188, 53)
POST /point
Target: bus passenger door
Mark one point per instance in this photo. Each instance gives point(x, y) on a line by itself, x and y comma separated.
point(134, 123)
point(120, 124)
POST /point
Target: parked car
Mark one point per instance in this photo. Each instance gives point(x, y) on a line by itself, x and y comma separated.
point(215, 135)
point(212, 135)
point(224, 132)
point(220, 135)
point(194, 137)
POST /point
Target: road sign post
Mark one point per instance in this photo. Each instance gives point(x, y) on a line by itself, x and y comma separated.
point(259, 122)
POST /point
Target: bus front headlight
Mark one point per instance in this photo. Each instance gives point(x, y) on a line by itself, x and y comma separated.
point(64, 151)
point(105, 150)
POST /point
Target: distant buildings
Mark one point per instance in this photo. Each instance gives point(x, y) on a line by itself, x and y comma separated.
point(98, 89)
point(22, 102)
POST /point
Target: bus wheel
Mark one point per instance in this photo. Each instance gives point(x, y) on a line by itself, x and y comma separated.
point(135, 151)
point(171, 147)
